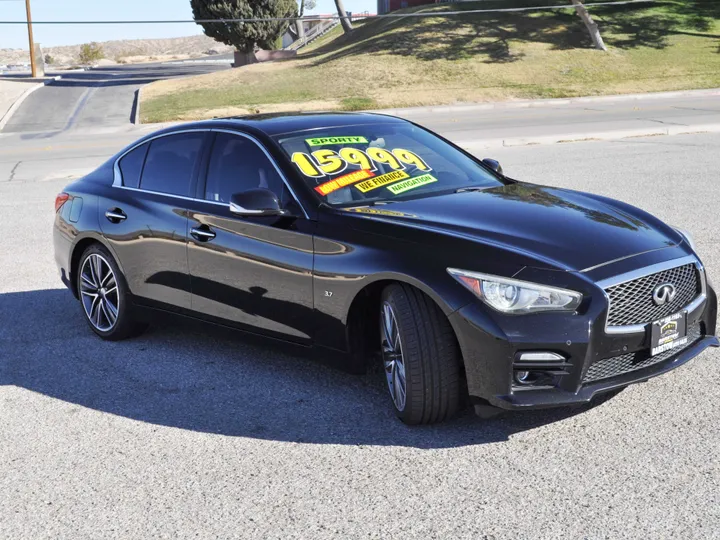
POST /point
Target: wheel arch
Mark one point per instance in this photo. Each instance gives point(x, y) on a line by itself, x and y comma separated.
point(77, 250)
point(363, 331)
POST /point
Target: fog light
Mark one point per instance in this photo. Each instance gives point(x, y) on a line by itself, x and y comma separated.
point(522, 377)
point(540, 357)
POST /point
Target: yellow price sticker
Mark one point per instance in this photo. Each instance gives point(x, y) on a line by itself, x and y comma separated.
point(380, 181)
point(351, 178)
point(413, 183)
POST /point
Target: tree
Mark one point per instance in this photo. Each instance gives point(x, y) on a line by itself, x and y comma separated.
point(91, 52)
point(344, 19)
point(590, 24)
point(245, 36)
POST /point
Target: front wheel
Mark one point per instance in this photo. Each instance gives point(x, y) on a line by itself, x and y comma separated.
point(104, 296)
point(420, 355)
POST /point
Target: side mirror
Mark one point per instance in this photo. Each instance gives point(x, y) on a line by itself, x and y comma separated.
point(256, 202)
point(494, 165)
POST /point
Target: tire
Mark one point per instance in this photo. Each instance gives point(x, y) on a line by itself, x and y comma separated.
point(104, 296)
point(428, 351)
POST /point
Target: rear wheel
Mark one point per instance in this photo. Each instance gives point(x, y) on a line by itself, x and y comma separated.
point(104, 296)
point(420, 356)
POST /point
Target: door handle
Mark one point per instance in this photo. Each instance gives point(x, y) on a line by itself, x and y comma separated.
point(202, 233)
point(115, 215)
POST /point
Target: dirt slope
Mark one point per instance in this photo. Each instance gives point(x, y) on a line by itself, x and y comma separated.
point(184, 47)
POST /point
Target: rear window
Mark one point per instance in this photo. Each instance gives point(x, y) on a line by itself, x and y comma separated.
point(171, 162)
point(131, 166)
point(355, 165)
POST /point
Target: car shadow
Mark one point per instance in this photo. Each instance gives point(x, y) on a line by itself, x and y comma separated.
point(201, 378)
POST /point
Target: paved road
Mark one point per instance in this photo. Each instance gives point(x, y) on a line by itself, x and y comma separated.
point(99, 123)
point(520, 123)
point(99, 97)
point(186, 433)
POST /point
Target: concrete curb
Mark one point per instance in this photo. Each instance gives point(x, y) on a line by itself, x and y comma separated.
point(45, 80)
point(590, 136)
point(15, 106)
point(539, 103)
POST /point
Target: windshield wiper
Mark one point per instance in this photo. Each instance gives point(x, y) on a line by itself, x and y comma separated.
point(370, 202)
point(380, 202)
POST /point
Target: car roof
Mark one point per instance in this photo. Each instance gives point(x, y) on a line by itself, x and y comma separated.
point(280, 123)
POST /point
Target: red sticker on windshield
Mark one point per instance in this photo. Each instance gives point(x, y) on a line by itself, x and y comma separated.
point(342, 181)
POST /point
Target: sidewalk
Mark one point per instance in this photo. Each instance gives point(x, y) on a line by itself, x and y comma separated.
point(11, 94)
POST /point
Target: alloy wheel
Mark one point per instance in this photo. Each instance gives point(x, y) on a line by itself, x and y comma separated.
point(99, 292)
point(392, 354)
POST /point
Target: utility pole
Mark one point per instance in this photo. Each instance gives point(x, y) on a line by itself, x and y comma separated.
point(30, 37)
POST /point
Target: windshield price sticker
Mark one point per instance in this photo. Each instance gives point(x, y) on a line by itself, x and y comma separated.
point(380, 181)
point(327, 141)
point(327, 162)
point(342, 181)
point(412, 183)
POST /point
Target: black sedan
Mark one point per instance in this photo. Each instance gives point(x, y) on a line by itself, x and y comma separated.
point(369, 238)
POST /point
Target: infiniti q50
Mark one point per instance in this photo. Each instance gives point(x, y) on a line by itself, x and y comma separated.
point(371, 239)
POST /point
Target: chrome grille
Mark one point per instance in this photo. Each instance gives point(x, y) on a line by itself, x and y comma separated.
point(618, 365)
point(632, 302)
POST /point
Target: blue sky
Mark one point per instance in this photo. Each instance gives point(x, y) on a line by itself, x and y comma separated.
point(15, 36)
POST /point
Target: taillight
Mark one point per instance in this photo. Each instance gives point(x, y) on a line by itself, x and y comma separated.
point(60, 200)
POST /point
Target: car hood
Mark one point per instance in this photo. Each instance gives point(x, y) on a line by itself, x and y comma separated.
point(557, 227)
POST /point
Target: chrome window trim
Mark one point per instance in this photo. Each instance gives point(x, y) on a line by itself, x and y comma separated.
point(224, 205)
point(118, 181)
point(647, 271)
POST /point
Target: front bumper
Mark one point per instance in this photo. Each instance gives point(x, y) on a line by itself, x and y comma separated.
point(539, 399)
point(490, 345)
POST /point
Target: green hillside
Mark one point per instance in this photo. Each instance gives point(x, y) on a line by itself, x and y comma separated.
point(410, 61)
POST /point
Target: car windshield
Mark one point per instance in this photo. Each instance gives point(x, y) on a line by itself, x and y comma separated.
point(380, 163)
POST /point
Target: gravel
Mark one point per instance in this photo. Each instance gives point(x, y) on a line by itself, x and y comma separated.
point(196, 432)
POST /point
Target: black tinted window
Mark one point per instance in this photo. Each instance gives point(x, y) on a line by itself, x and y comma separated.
point(238, 164)
point(131, 166)
point(170, 163)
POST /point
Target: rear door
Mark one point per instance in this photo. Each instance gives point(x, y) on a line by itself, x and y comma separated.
point(146, 220)
point(251, 272)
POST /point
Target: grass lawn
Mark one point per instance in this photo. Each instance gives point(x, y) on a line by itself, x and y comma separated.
point(404, 62)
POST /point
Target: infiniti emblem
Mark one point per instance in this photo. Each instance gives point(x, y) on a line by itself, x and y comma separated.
point(664, 294)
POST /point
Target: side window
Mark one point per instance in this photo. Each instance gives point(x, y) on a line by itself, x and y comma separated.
point(170, 163)
point(131, 166)
point(238, 164)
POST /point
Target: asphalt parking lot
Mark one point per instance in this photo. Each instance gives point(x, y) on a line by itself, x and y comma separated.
point(191, 432)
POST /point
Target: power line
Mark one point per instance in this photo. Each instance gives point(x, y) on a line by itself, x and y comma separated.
point(337, 17)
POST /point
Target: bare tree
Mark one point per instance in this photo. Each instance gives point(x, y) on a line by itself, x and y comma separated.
point(590, 24)
point(344, 19)
point(310, 4)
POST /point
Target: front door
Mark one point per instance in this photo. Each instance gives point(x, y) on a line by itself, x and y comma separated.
point(251, 272)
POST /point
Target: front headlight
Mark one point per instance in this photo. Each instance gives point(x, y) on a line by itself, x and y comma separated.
point(688, 238)
point(514, 296)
